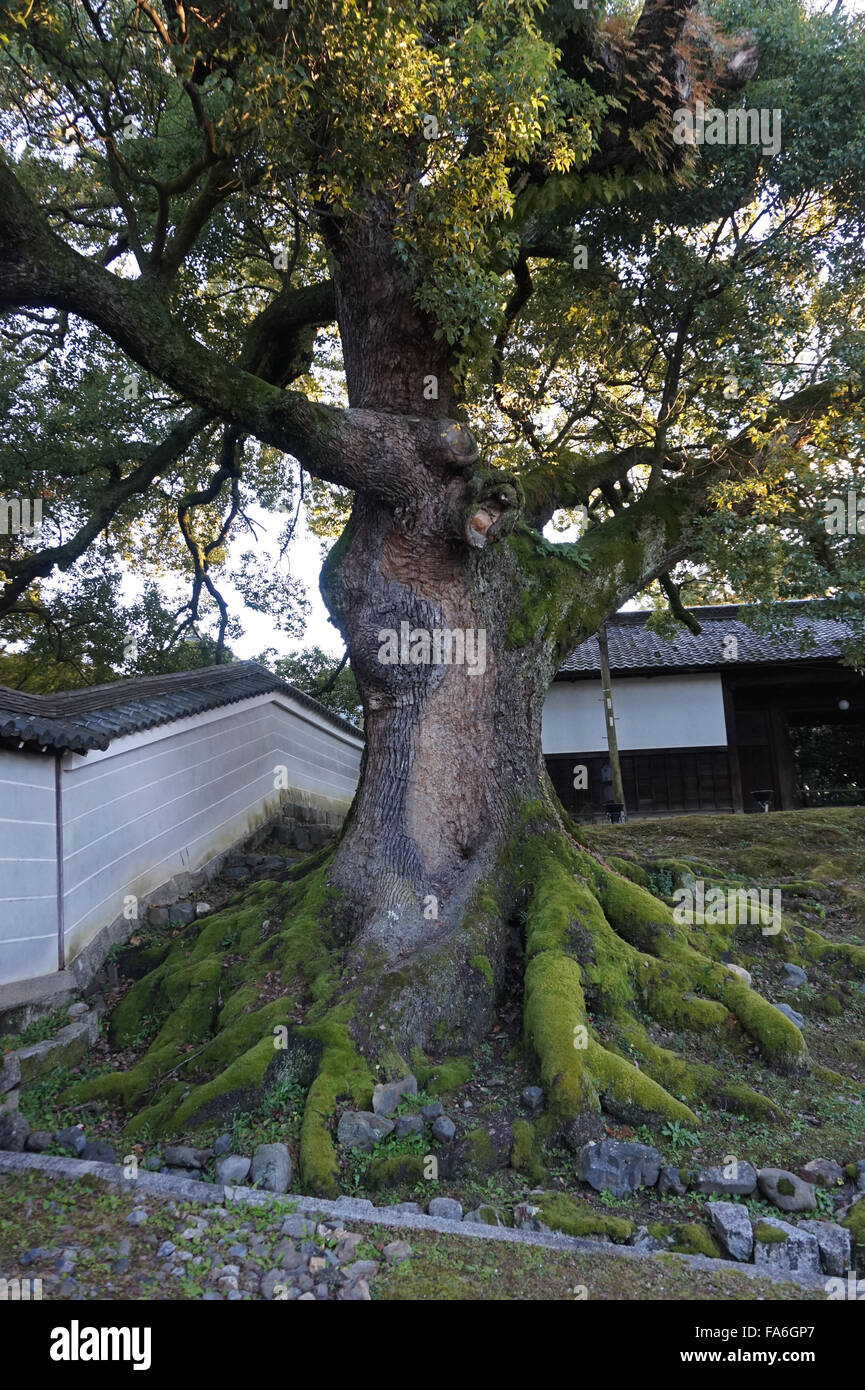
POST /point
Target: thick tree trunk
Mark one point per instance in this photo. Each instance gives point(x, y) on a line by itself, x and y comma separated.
point(452, 707)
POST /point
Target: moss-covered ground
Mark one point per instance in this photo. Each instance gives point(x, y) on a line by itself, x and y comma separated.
point(678, 1051)
point(115, 1260)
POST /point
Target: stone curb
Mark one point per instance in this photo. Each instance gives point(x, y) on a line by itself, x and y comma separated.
point(361, 1210)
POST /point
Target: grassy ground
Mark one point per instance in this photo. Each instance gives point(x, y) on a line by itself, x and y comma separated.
point(817, 858)
point(116, 1260)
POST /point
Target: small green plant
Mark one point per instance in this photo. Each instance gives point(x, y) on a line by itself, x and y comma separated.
point(678, 1137)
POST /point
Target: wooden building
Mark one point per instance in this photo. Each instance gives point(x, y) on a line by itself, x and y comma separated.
point(724, 721)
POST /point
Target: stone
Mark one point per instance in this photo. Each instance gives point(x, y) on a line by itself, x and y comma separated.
point(345, 1248)
point(10, 1072)
point(785, 1191)
point(181, 914)
point(73, 1139)
point(166, 1248)
point(407, 1208)
point(153, 1163)
point(835, 1244)
point(14, 1131)
point(361, 1269)
point(357, 1291)
point(823, 1172)
point(232, 1170)
point(273, 1284)
point(485, 1216)
point(533, 1099)
point(619, 1167)
point(361, 1129)
point(794, 1017)
point(39, 1140)
point(397, 1251)
point(388, 1094)
point(444, 1129)
point(99, 1152)
point(794, 974)
point(860, 1175)
point(408, 1124)
point(136, 1217)
point(203, 909)
point(732, 1226)
point(298, 1227)
point(739, 970)
point(222, 1146)
point(798, 1253)
point(433, 1110)
point(77, 1010)
point(670, 1182)
point(447, 1208)
point(9, 1102)
point(721, 1182)
point(271, 1167)
point(181, 1156)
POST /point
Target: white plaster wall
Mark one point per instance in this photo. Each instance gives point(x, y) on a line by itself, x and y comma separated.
point(28, 872)
point(157, 804)
point(684, 711)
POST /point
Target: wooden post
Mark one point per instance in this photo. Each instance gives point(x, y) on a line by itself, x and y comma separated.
point(609, 718)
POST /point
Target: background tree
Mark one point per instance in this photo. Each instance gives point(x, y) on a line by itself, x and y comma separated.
point(544, 303)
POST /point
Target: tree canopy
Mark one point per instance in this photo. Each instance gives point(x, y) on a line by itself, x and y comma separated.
point(627, 325)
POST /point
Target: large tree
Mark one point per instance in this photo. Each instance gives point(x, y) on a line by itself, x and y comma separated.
point(547, 306)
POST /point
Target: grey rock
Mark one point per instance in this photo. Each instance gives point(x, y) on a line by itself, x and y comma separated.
point(388, 1094)
point(835, 1244)
point(533, 1099)
point(357, 1291)
point(14, 1131)
point(397, 1251)
point(360, 1269)
point(273, 1284)
point(433, 1110)
point(794, 1017)
point(153, 1163)
point(73, 1139)
point(732, 1225)
point(181, 1156)
point(361, 1129)
point(271, 1167)
point(408, 1124)
point(794, 974)
point(772, 1183)
point(39, 1140)
point(203, 909)
point(641, 1240)
point(860, 1179)
point(288, 1257)
point(345, 1249)
point(10, 1072)
point(824, 1172)
point(99, 1151)
point(182, 914)
point(670, 1181)
point(620, 1168)
point(136, 1217)
point(798, 1254)
point(443, 1129)
point(222, 1146)
point(409, 1208)
point(485, 1216)
point(166, 1248)
point(447, 1208)
point(232, 1170)
point(715, 1182)
point(298, 1227)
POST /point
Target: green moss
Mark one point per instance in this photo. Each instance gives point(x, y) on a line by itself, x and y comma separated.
point(563, 1213)
point(695, 1239)
point(785, 1187)
point(854, 1222)
point(480, 1151)
point(768, 1235)
point(440, 1077)
point(482, 964)
point(629, 870)
point(395, 1170)
point(524, 1153)
point(342, 1072)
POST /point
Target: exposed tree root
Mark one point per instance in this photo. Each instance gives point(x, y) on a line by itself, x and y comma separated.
point(267, 984)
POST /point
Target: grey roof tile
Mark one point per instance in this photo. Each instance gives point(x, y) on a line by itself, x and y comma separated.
point(634, 648)
point(81, 720)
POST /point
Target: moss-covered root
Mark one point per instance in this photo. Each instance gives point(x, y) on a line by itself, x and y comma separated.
point(579, 1073)
point(649, 925)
